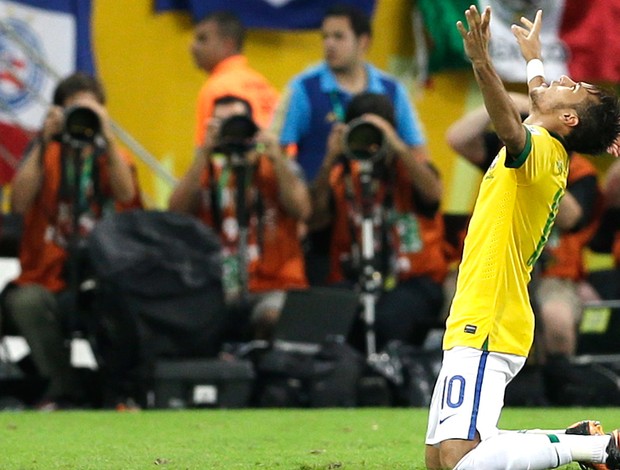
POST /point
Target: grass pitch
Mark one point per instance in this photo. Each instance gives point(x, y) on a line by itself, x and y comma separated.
point(363, 438)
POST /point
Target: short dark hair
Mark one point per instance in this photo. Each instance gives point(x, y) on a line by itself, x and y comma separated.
point(230, 99)
point(229, 26)
point(373, 103)
point(599, 123)
point(360, 23)
point(76, 83)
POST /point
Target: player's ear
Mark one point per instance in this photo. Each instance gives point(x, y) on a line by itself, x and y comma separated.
point(569, 117)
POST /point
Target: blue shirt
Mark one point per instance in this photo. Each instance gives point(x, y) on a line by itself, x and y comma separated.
point(316, 101)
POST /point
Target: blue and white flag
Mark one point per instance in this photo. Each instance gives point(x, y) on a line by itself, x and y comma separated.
point(40, 42)
point(270, 14)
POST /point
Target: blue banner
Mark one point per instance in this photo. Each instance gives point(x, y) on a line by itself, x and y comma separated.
point(268, 14)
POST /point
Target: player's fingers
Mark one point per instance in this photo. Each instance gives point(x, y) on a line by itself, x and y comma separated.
point(461, 28)
point(486, 16)
point(537, 22)
point(527, 23)
point(518, 31)
point(473, 17)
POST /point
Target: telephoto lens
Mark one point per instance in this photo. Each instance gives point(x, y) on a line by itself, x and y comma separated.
point(81, 125)
point(364, 141)
point(236, 135)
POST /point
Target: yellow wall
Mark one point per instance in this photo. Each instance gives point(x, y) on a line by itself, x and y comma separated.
point(144, 62)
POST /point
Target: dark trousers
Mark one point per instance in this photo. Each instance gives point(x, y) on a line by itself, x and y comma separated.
point(43, 319)
point(407, 312)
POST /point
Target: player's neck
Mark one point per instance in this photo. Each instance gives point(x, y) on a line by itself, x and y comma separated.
point(549, 122)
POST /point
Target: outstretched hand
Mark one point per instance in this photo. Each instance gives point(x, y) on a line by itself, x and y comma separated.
point(528, 36)
point(476, 39)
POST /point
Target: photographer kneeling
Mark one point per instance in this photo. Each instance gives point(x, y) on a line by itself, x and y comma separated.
point(370, 176)
point(242, 186)
point(72, 175)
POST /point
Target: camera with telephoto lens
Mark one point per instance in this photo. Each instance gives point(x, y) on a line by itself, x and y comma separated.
point(236, 136)
point(82, 126)
point(364, 141)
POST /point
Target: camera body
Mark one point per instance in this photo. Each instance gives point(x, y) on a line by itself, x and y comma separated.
point(236, 137)
point(81, 126)
point(364, 141)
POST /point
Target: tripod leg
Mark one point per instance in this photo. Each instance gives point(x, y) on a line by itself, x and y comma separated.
point(368, 313)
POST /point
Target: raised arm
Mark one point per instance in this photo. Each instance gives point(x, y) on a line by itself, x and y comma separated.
point(502, 110)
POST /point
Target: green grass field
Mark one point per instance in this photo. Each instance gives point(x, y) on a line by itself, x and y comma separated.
point(363, 438)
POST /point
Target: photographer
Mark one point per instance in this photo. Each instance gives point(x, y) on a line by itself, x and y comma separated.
point(68, 175)
point(276, 200)
point(404, 208)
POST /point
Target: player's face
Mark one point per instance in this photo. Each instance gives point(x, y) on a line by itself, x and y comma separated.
point(562, 93)
point(341, 48)
point(206, 46)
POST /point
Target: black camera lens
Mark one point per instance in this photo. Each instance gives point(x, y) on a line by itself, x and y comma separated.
point(236, 135)
point(82, 125)
point(364, 141)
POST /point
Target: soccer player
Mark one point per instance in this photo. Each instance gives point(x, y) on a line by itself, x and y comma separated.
point(490, 328)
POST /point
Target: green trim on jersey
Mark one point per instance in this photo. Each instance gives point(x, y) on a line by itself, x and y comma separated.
point(518, 160)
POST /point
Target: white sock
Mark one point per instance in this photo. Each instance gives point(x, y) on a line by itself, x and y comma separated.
point(517, 451)
point(586, 448)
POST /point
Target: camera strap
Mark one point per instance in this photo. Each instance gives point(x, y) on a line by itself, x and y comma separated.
point(215, 194)
point(83, 195)
point(220, 184)
point(338, 108)
point(354, 209)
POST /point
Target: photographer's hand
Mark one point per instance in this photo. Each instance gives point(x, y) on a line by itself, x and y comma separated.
point(52, 125)
point(293, 192)
point(320, 193)
point(393, 140)
point(212, 130)
point(266, 143)
point(334, 145)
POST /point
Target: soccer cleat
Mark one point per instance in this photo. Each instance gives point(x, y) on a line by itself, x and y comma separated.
point(588, 427)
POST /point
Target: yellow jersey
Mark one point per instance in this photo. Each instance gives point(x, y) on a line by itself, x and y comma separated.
point(516, 206)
